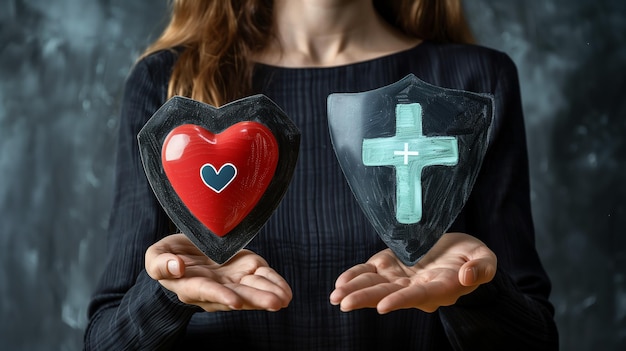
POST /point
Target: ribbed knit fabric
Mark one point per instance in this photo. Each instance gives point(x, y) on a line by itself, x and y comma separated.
point(319, 231)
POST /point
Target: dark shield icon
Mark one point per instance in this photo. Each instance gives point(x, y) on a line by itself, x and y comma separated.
point(219, 173)
point(411, 153)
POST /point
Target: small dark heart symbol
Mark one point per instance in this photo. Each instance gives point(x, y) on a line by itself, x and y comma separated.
point(218, 180)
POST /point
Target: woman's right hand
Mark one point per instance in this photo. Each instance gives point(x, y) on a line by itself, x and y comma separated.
point(245, 282)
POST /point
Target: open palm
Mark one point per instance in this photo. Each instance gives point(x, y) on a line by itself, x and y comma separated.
point(455, 266)
point(245, 282)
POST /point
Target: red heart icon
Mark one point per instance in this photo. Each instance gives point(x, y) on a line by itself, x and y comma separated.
point(220, 177)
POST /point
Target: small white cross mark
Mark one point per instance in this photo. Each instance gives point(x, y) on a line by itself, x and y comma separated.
point(406, 153)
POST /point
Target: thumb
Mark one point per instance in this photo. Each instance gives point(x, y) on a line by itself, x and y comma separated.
point(477, 271)
point(164, 266)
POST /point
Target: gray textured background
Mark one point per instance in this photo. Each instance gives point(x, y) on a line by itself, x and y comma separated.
point(62, 66)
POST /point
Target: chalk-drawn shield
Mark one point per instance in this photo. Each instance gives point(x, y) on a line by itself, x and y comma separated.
point(219, 173)
point(411, 153)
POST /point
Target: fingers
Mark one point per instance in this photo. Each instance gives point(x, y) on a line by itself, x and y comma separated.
point(342, 284)
point(252, 293)
point(353, 272)
point(214, 288)
point(480, 267)
point(478, 271)
point(260, 286)
point(456, 266)
point(160, 260)
point(364, 285)
point(263, 290)
point(368, 297)
point(244, 282)
point(258, 299)
point(269, 280)
point(427, 298)
point(208, 294)
point(359, 290)
point(164, 266)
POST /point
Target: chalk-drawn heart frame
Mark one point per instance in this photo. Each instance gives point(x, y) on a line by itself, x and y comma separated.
point(178, 111)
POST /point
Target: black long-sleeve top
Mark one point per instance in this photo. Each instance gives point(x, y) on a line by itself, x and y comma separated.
point(319, 231)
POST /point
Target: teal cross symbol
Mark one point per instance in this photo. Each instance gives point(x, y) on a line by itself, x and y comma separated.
point(409, 151)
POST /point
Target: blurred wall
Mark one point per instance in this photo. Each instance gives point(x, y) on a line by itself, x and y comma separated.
point(62, 68)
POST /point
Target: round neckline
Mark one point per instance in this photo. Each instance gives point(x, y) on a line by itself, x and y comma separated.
point(392, 55)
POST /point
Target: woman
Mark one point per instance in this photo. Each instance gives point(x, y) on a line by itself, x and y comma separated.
point(481, 287)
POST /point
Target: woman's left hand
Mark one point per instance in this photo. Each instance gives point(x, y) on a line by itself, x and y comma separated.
point(455, 266)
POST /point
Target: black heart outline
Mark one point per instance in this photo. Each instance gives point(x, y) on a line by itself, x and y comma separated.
point(180, 110)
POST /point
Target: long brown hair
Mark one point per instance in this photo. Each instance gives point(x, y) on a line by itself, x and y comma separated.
point(217, 37)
